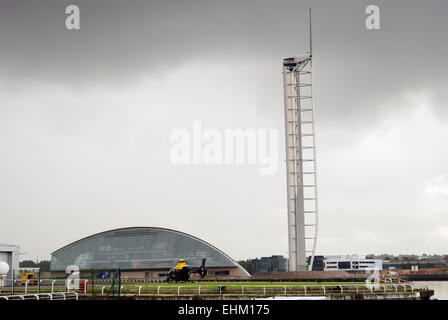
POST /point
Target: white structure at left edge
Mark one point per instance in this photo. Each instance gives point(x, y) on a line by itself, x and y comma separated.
point(10, 255)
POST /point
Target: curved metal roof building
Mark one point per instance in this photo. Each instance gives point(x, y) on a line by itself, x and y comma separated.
point(139, 248)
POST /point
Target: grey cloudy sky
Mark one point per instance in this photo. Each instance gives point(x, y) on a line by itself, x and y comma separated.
point(86, 117)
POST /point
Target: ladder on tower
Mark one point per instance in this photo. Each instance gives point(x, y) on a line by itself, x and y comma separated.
point(305, 127)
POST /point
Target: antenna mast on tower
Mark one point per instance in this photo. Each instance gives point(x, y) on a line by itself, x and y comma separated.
point(311, 38)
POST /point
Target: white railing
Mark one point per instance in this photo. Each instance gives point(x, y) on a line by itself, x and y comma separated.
point(43, 296)
point(37, 286)
point(58, 286)
point(265, 289)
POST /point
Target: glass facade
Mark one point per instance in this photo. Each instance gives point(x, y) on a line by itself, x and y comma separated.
point(137, 248)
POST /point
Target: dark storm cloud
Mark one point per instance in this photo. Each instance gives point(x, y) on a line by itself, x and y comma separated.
point(120, 38)
point(119, 41)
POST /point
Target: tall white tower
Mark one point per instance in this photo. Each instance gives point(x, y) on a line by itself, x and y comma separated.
point(300, 160)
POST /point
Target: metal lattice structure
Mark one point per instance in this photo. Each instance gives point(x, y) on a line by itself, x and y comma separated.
point(300, 161)
point(301, 168)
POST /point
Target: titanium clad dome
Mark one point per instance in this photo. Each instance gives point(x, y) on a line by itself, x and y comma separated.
point(138, 248)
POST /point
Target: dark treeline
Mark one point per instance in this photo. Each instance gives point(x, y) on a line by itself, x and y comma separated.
point(407, 257)
point(246, 264)
point(44, 265)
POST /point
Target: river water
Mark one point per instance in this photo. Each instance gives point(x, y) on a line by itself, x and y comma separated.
point(440, 288)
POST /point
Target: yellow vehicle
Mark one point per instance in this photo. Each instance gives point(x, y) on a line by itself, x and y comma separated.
point(181, 264)
point(28, 274)
point(182, 271)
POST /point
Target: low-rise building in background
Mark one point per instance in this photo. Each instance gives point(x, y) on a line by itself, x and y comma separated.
point(269, 264)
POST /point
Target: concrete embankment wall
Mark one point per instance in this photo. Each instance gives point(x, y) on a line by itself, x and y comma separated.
point(426, 277)
point(317, 276)
point(418, 295)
